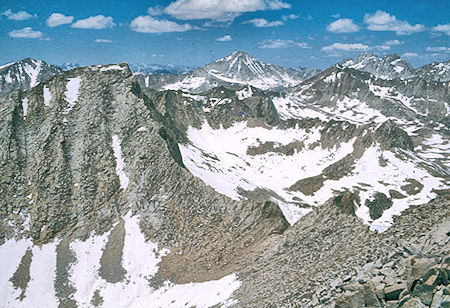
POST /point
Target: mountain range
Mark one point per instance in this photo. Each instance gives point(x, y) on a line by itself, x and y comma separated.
point(236, 184)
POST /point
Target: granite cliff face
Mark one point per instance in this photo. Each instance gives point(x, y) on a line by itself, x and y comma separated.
point(331, 193)
point(77, 160)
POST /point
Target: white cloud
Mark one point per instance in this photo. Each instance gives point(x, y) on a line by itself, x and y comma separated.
point(275, 44)
point(393, 42)
point(442, 28)
point(381, 48)
point(290, 17)
point(26, 32)
point(337, 15)
point(155, 11)
point(148, 24)
point(438, 49)
point(225, 38)
point(410, 55)
point(219, 10)
point(94, 22)
point(21, 15)
point(383, 21)
point(263, 23)
point(343, 25)
point(346, 47)
point(57, 19)
point(103, 41)
point(277, 5)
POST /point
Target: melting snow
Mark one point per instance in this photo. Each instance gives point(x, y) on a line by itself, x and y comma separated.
point(33, 72)
point(40, 291)
point(8, 78)
point(244, 93)
point(71, 93)
point(188, 83)
point(219, 157)
point(47, 96)
point(111, 67)
point(25, 107)
point(6, 65)
point(120, 163)
point(140, 260)
point(399, 69)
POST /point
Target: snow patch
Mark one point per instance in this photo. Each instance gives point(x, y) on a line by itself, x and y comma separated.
point(71, 93)
point(33, 72)
point(47, 96)
point(244, 93)
point(219, 157)
point(25, 107)
point(120, 163)
point(111, 67)
point(140, 260)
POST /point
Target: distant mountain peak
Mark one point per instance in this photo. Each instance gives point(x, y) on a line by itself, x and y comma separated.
point(25, 74)
point(389, 67)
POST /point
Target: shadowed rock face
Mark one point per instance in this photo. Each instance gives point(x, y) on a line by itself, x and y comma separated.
point(389, 135)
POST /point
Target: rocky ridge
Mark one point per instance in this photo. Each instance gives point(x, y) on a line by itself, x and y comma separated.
point(232, 71)
point(24, 74)
point(95, 167)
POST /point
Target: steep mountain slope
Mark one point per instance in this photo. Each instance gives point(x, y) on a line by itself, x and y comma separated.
point(97, 208)
point(435, 71)
point(116, 195)
point(232, 71)
point(388, 67)
point(341, 130)
point(24, 74)
point(393, 66)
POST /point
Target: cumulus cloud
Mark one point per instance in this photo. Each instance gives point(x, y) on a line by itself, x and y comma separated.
point(438, 49)
point(410, 55)
point(103, 41)
point(148, 24)
point(343, 25)
point(263, 23)
point(26, 32)
point(383, 21)
point(57, 19)
point(393, 42)
point(21, 15)
point(275, 44)
point(219, 10)
point(346, 47)
point(225, 38)
point(442, 28)
point(290, 17)
point(94, 22)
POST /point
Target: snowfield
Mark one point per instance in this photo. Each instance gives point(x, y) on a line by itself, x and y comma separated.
point(219, 157)
point(140, 260)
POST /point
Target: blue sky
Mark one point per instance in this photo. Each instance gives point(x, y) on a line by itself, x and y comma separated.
point(289, 33)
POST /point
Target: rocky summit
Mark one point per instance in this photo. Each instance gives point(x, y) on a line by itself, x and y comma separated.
point(237, 184)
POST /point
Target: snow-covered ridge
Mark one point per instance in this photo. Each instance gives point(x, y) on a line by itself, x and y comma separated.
point(220, 157)
point(388, 67)
point(236, 70)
